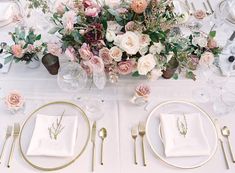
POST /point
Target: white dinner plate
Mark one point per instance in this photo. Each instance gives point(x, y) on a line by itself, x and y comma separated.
point(47, 163)
point(154, 139)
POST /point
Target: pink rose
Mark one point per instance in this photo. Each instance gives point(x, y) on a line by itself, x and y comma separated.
point(92, 11)
point(85, 52)
point(87, 3)
point(104, 54)
point(143, 90)
point(30, 48)
point(207, 58)
point(126, 67)
point(130, 26)
point(68, 20)
point(70, 52)
point(96, 63)
point(17, 51)
point(212, 44)
point(54, 49)
point(200, 14)
point(14, 100)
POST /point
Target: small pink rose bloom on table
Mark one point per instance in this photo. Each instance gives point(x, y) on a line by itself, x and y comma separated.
point(141, 95)
point(14, 101)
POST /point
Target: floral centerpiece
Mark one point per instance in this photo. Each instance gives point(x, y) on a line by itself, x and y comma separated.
point(25, 48)
point(138, 38)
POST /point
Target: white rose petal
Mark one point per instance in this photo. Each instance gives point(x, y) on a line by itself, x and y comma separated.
point(201, 41)
point(146, 64)
point(110, 35)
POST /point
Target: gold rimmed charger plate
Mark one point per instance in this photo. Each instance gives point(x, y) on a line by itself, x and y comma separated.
point(55, 163)
point(155, 142)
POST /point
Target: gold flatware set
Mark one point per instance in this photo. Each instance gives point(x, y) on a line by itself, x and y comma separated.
point(102, 134)
point(15, 135)
point(134, 133)
point(207, 6)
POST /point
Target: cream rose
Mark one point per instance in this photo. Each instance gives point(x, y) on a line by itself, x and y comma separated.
point(146, 64)
point(144, 40)
point(115, 53)
point(207, 58)
point(110, 35)
point(155, 74)
point(128, 42)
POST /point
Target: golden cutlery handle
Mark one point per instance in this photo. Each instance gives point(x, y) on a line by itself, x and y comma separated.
point(143, 152)
point(11, 152)
point(231, 150)
point(225, 157)
point(3, 148)
point(93, 157)
point(101, 159)
point(135, 159)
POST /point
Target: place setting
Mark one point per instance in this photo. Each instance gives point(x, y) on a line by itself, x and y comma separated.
point(182, 135)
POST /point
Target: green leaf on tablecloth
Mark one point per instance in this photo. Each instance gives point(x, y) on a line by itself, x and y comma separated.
point(136, 74)
point(54, 30)
point(8, 59)
point(212, 34)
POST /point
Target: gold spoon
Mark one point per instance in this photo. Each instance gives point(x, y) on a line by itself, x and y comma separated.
point(226, 133)
point(103, 135)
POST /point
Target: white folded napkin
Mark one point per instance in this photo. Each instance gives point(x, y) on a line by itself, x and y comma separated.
point(42, 144)
point(194, 143)
point(6, 11)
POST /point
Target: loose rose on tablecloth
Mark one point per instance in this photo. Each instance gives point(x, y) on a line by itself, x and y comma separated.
point(14, 101)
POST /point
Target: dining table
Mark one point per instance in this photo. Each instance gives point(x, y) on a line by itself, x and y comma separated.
point(39, 87)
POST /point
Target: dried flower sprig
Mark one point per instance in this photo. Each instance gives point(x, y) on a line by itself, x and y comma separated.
point(56, 128)
point(182, 126)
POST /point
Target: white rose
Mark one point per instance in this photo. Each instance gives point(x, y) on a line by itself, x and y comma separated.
point(115, 53)
point(128, 42)
point(207, 58)
point(143, 50)
point(110, 35)
point(144, 40)
point(200, 41)
point(114, 26)
point(156, 48)
point(38, 43)
point(155, 74)
point(146, 64)
point(183, 18)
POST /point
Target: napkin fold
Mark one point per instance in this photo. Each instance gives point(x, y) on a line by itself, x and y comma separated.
point(42, 144)
point(194, 143)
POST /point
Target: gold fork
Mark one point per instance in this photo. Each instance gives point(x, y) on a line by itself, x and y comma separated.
point(134, 134)
point(8, 135)
point(142, 134)
point(15, 136)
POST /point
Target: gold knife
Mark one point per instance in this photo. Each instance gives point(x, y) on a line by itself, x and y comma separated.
point(93, 135)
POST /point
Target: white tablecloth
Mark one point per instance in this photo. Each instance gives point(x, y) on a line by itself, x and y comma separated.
point(39, 88)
